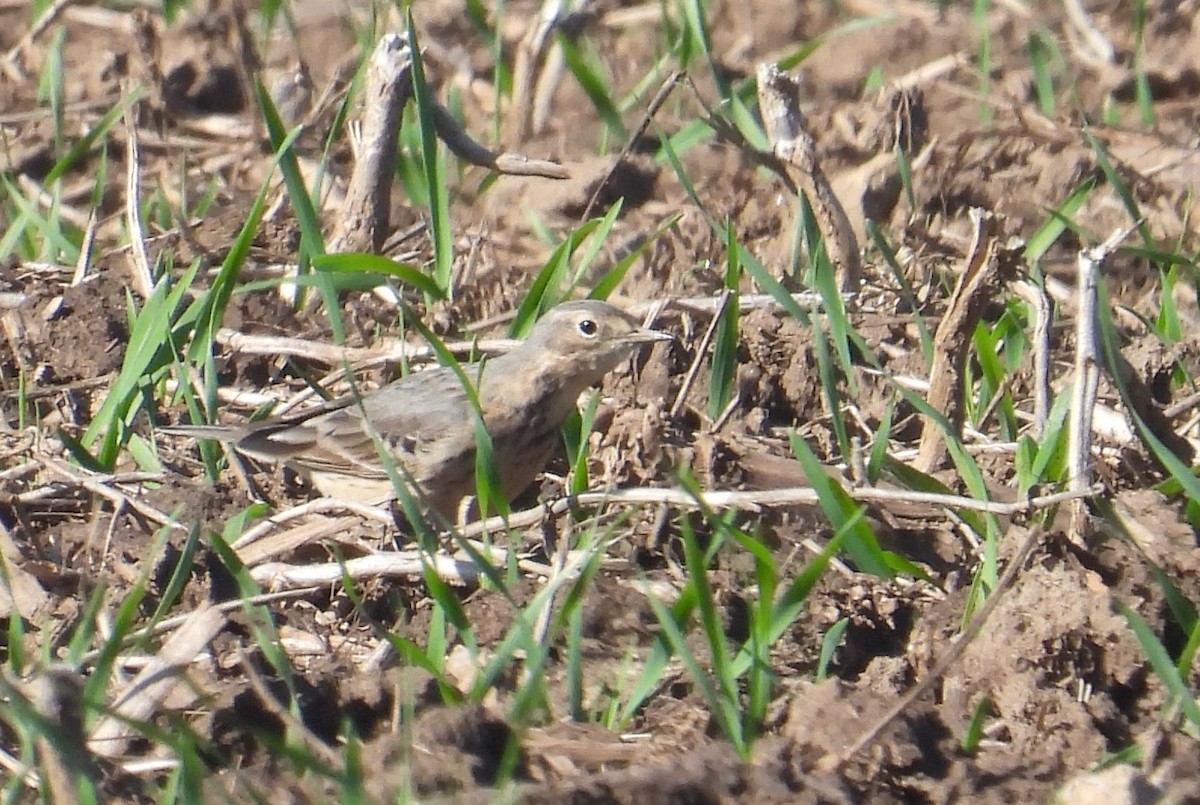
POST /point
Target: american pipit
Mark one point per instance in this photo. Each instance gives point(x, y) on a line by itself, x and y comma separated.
point(425, 421)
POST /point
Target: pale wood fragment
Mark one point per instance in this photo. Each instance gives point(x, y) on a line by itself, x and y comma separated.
point(795, 148)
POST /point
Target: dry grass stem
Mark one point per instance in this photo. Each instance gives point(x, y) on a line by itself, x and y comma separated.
point(529, 54)
point(386, 88)
point(951, 656)
point(142, 696)
point(404, 564)
point(794, 147)
point(467, 149)
point(143, 279)
point(989, 266)
point(660, 97)
point(794, 496)
point(1039, 300)
point(11, 64)
point(1087, 376)
point(701, 353)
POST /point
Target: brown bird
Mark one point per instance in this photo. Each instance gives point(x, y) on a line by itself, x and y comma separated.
point(425, 422)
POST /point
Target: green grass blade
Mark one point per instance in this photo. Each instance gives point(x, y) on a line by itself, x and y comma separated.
point(612, 278)
point(363, 262)
point(660, 654)
point(1041, 52)
point(1141, 78)
point(791, 602)
point(595, 243)
point(829, 644)
point(149, 350)
point(51, 86)
point(974, 733)
point(88, 140)
point(906, 290)
point(725, 344)
point(806, 49)
point(720, 707)
point(1161, 662)
point(1120, 188)
point(879, 445)
point(1112, 358)
point(594, 86)
point(1061, 218)
point(312, 242)
point(436, 186)
point(983, 56)
point(56, 245)
point(209, 310)
point(544, 292)
point(842, 511)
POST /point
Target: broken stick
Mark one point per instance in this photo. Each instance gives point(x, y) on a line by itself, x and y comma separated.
point(795, 148)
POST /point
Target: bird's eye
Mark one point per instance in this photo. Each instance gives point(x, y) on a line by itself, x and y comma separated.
point(588, 328)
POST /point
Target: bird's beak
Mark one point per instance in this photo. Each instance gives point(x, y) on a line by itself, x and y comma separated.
point(643, 336)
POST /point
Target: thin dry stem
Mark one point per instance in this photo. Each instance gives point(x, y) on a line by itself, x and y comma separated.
point(103, 485)
point(11, 64)
point(802, 495)
point(554, 67)
point(1090, 45)
point(467, 149)
point(1087, 376)
point(529, 54)
point(795, 148)
point(1039, 300)
point(155, 682)
point(989, 266)
point(701, 350)
point(652, 108)
point(387, 87)
point(939, 670)
point(143, 280)
point(404, 564)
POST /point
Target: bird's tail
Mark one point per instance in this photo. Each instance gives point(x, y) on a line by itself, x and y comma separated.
point(219, 433)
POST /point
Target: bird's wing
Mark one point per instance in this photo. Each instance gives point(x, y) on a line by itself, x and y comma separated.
point(271, 433)
point(418, 418)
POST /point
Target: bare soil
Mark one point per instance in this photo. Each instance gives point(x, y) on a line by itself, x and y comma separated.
point(1066, 681)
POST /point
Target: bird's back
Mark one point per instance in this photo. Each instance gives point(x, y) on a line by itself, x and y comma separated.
point(422, 420)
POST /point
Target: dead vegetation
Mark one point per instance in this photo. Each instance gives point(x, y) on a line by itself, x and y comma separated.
point(907, 512)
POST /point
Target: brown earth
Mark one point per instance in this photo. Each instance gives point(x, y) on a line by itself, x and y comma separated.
point(1065, 681)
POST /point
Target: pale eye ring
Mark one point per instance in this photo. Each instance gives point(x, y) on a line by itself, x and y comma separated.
point(588, 328)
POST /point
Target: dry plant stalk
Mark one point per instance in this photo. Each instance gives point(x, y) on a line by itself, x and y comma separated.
point(143, 279)
point(154, 682)
point(796, 150)
point(1087, 383)
point(660, 97)
point(460, 571)
point(285, 542)
point(944, 663)
point(1039, 299)
point(1086, 40)
point(405, 564)
point(387, 87)
point(149, 49)
point(989, 266)
point(529, 53)
point(11, 63)
point(511, 164)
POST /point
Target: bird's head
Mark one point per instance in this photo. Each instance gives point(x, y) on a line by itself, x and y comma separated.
point(587, 338)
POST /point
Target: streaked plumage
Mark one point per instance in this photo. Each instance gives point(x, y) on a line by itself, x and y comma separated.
point(424, 420)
